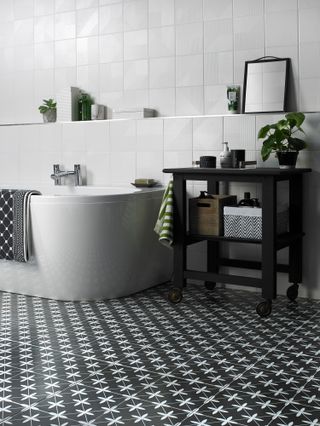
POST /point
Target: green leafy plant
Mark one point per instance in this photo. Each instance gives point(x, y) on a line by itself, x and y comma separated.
point(280, 136)
point(48, 105)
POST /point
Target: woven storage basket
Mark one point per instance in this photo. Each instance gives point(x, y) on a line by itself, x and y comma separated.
point(246, 222)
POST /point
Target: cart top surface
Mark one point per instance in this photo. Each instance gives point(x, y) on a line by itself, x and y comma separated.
point(259, 171)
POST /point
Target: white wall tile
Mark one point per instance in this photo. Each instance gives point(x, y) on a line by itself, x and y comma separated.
point(249, 32)
point(162, 72)
point(123, 135)
point(22, 9)
point(163, 101)
point(122, 167)
point(65, 25)
point(248, 7)
point(189, 39)
point(135, 98)
point(177, 159)
point(43, 7)
point(189, 70)
point(23, 31)
point(73, 137)
point(217, 9)
point(44, 29)
point(189, 100)
point(275, 36)
point(178, 134)
point(97, 136)
point(65, 53)
point(111, 18)
point(87, 22)
point(215, 100)
point(135, 14)
point(98, 168)
point(161, 13)
point(64, 5)
point(207, 133)
point(218, 68)
point(43, 85)
point(136, 74)
point(188, 11)
point(50, 137)
point(44, 55)
point(161, 42)
point(85, 4)
point(310, 94)
point(64, 77)
point(135, 45)
point(283, 5)
point(309, 22)
point(240, 132)
point(218, 35)
point(308, 4)
point(24, 58)
point(111, 48)
point(149, 165)
point(150, 135)
point(87, 50)
point(111, 77)
point(88, 78)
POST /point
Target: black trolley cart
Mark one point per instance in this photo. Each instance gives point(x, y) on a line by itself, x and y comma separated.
point(271, 242)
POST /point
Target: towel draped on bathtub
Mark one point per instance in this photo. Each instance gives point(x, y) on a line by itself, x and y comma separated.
point(164, 224)
point(14, 224)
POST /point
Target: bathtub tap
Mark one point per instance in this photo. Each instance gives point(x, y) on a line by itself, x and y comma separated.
point(58, 174)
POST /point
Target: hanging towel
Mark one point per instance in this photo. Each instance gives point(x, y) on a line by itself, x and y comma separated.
point(164, 224)
point(14, 224)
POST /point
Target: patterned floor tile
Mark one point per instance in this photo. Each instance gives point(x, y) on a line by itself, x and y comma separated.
point(209, 360)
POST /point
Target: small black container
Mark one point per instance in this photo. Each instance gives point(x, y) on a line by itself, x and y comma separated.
point(237, 155)
point(208, 162)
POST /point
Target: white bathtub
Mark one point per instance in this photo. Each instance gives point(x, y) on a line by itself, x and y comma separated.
point(90, 243)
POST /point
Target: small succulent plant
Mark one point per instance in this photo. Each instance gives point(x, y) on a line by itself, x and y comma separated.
point(48, 105)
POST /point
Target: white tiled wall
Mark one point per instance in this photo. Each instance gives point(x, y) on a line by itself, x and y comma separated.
point(116, 152)
point(173, 55)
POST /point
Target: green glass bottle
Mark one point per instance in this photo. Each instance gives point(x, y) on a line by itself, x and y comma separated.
point(84, 105)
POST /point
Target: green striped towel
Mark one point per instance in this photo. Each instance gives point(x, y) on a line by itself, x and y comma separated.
point(164, 225)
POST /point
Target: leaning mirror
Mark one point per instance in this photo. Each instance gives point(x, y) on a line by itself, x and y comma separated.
point(265, 85)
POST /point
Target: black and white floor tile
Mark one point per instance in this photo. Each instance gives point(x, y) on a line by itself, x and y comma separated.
point(207, 361)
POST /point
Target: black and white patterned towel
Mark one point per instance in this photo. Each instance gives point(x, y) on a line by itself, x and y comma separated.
point(14, 223)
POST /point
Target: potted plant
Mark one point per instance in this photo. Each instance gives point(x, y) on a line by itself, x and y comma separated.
point(48, 110)
point(280, 138)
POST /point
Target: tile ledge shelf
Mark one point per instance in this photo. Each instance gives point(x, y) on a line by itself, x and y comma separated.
point(155, 118)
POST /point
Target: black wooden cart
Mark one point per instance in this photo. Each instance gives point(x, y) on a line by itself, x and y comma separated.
point(271, 242)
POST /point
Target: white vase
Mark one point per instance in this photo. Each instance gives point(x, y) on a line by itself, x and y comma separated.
point(225, 157)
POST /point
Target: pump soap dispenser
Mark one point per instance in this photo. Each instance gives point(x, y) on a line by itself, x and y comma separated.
point(225, 157)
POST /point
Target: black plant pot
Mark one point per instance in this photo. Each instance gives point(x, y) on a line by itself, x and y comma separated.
point(287, 159)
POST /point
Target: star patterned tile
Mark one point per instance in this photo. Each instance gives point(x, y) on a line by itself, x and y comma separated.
point(208, 361)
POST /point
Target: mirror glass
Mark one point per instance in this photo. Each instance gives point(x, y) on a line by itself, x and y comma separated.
point(265, 85)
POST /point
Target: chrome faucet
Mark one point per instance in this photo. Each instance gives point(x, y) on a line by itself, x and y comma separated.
point(58, 174)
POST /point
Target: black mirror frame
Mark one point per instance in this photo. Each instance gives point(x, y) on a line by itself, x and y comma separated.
point(261, 60)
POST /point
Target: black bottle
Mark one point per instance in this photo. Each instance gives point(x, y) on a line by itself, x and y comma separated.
point(246, 201)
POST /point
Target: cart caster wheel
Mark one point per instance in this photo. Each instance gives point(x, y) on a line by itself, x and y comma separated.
point(264, 308)
point(209, 285)
point(175, 295)
point(292, 292)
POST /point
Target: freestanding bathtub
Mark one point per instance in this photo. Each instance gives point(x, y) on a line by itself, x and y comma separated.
point(90, 243)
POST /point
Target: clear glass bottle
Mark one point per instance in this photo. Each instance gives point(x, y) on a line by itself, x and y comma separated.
point(225, 157)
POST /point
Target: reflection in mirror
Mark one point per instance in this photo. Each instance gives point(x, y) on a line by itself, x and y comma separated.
point(265, 85)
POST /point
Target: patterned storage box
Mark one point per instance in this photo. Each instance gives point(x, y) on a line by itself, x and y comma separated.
point(246, 222)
